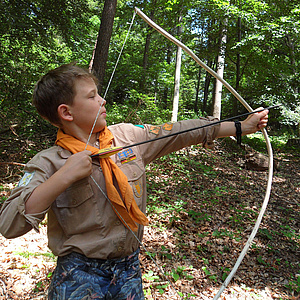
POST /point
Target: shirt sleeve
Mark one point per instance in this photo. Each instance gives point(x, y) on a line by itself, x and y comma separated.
point(155, 149)
point(14, 221)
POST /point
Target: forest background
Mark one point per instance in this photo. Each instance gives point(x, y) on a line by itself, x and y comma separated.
point(261, 60)
point(260, 53)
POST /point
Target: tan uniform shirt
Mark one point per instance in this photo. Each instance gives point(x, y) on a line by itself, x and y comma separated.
point(81, 219)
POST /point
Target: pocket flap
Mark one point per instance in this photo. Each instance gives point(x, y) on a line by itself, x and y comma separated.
point(75, 195)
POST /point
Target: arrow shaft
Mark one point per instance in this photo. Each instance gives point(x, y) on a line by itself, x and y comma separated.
point(187, 130)
point(200, 127)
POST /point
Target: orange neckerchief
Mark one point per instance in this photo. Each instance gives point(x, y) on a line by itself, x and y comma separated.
point(127, 207)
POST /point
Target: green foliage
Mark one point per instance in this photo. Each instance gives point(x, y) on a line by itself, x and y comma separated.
point(36, 36)
point(209, 274)
point(3, 193)
point(278, 142)
point(165, 252)
point(180, 272)
point(150, 276)
point(294, 284)
point(137, 109)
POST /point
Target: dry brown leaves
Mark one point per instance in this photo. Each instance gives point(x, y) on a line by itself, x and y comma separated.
point(202, 211)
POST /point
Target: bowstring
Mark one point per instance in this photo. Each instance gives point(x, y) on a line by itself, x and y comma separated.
point(91, 132)
point(110, 80)
point(112, 75)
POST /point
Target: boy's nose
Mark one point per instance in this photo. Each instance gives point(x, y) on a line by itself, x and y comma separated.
point(102, 101)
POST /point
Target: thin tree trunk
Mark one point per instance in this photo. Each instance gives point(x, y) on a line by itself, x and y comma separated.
point(145, 60)
point(210, 45)
point(206, 89)
point(166, 90)
point(197, 92)
point(220, 72)
point(93, 56)
point(177, 78)
point(291, 46)
point(238, 66)
point(146, 50)
point(146, 54)
point(103, 40)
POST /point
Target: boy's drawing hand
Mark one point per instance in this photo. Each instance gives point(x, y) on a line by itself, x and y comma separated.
point(255, 122)
point(78, 166)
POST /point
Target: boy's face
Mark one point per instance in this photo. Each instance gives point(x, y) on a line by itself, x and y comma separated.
point(86, 105)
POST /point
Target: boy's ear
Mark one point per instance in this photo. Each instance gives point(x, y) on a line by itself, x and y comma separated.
point(64, 112)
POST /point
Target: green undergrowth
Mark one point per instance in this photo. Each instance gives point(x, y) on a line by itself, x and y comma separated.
point(278, 142)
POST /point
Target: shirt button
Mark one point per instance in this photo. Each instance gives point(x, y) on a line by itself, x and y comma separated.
point(118, 223)
point(134, 173)
point(120, 249)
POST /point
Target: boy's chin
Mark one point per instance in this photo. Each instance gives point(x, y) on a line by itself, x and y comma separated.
point(100, 128)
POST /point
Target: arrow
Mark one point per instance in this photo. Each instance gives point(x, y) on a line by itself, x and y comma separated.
point(104, 153)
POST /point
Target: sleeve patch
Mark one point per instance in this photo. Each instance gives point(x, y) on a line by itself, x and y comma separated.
point(167, 126)
point(154, 129)
point(26, 179)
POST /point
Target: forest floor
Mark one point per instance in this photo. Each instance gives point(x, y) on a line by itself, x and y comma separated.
point(202, 206)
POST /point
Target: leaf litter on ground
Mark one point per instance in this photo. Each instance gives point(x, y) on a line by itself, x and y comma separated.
point(202, 208)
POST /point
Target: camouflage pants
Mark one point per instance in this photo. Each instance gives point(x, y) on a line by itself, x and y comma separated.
point(77, 277)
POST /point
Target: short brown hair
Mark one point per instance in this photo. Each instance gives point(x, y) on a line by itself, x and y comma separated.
point(56, 88)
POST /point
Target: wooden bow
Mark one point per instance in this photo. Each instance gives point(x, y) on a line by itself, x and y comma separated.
point(266, 137)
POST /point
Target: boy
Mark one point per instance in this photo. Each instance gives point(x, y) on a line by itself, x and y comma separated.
point(94, 205)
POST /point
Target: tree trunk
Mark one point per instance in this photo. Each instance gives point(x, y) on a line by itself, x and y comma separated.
point(238, 66)
point(210, 45)
point(177, 78)
point(206, 88)
point(220, 71)
point(176, 85)
point(146, 54)
point(197, 92)
point(146, 50)
point(103, 40)
point(291, 46)
point(93, 57)
point(145, 60)
point(166, 90)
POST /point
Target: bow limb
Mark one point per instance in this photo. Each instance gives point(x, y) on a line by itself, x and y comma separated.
point(248, 107)
point(195, 58)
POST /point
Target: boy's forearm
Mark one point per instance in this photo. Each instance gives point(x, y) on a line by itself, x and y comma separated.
point(77, 166)
point(226, 129)
point(229, 129)
point(46, 193)
point(252, 124)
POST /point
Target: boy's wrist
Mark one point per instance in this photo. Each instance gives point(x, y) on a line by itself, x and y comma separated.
point(245, 128)
point(64, 177)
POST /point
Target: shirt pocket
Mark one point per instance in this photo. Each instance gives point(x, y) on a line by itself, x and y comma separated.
point(76, 209)
point(135, 172)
